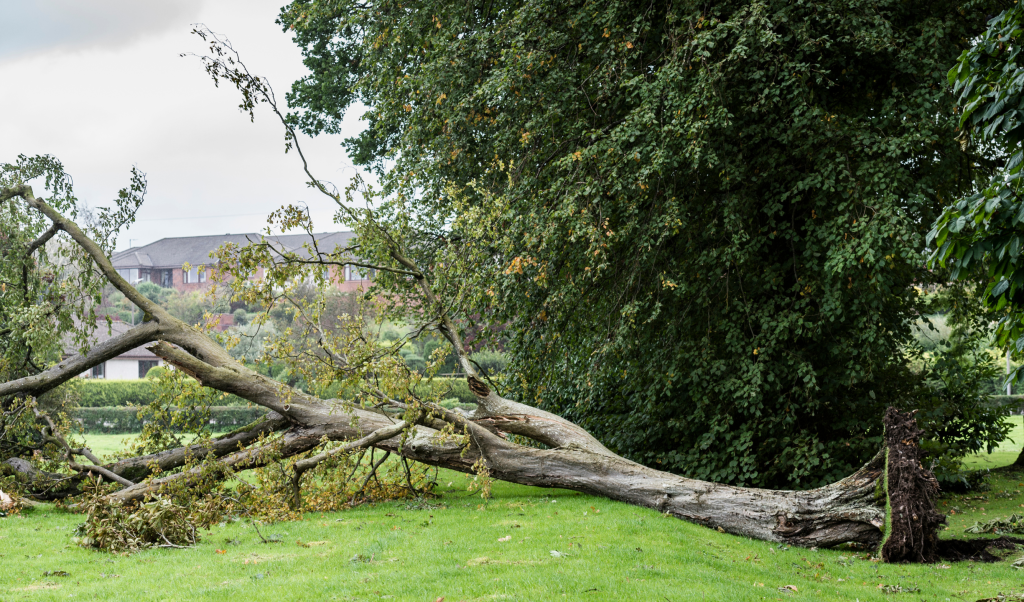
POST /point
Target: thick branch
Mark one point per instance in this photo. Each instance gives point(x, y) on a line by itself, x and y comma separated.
point(234, 378)
point(90, 247)
point(218, 447)
point(294, 441)
point(373, 438)
point(37, 384)
point(53, 486)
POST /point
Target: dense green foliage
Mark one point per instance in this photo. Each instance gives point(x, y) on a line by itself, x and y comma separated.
point(981, 235)
point(699, 225)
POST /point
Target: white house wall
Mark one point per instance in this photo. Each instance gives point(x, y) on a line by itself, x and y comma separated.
point(118, 369)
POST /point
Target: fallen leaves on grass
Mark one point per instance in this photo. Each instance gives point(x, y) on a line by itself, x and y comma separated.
point(56, 574)
point(504, 539)
point(897, 589)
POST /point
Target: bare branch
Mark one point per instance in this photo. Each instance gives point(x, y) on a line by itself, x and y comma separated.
point(43, 238)
point(52, 434)
point(375, 437)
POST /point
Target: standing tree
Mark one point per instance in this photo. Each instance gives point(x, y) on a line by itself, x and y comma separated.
point(980, 235)
point(699, 226)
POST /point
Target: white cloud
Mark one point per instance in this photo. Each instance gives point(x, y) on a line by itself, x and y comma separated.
point(48, 25)
point(102, 103)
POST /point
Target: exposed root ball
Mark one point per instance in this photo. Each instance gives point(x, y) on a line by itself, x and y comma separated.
point(911, 489)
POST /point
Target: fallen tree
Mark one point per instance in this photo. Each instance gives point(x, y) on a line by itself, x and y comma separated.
point(851, 510)
point(488, 442)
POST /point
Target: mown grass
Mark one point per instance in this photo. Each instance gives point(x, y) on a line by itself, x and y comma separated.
point(452, 547)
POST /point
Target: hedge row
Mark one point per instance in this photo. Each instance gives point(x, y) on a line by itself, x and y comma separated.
point(1015, 402)
point(99, 393)
point(126, 419)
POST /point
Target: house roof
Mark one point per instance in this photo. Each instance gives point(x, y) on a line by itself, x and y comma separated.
point(196, 250)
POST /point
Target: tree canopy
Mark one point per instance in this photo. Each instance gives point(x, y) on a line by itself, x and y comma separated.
point(980, 235)
point(697, 228)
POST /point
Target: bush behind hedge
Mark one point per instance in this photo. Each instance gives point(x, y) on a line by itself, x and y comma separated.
point(456, 388)
point(125, 419)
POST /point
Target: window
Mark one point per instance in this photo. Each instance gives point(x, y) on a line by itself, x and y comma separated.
point(202, 273)
point(146, 365)
point(354, 273)
point(129, 274)
point(97, 371)
point(167, 278)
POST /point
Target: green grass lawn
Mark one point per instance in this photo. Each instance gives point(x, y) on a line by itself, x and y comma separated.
point(523, 544)
point(1007, 451)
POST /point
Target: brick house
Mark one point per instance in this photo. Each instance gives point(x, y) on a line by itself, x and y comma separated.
point(162, 262)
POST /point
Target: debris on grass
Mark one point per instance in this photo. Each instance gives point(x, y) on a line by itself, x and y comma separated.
point(1000, 597)
point(999, 526)
point(898, 589)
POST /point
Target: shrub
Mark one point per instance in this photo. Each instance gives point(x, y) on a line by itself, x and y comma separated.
point(156, 372)
point(491, 362)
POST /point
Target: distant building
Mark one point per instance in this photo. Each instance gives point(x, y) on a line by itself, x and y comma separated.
point(161, 262)
point(130, 365)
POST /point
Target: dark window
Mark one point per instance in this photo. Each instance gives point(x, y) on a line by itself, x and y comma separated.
point(167, 278)
point(146, 365)
point(97, 371)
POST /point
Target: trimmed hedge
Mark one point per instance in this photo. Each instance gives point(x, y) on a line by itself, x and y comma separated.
point(100, 393)
point(1013, 402)
point(125, 419)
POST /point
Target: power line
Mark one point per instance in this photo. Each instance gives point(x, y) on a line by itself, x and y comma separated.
point(164, 219)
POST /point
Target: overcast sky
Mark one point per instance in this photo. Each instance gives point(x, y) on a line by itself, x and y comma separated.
point(100, 85)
